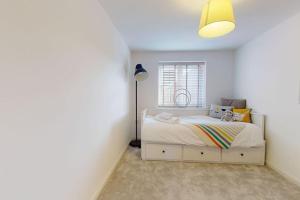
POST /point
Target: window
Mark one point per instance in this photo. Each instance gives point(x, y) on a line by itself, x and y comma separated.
point(182, 84)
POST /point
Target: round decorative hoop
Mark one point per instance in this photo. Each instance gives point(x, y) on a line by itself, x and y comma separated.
point(184, 92)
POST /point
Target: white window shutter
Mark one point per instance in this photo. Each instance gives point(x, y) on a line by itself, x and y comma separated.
point(176, 78)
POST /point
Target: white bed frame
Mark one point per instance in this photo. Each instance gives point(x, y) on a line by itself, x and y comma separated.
point(191, 153)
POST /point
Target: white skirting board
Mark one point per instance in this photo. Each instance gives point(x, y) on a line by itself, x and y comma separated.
point(284, 174)
point(188, 153)
point(96, 195)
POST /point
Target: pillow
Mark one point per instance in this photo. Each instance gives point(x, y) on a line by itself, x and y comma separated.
point(236, 103)
point(245, 114)
point(164, 115)
point(227, 116)
point(238, 117)
point(217, 111)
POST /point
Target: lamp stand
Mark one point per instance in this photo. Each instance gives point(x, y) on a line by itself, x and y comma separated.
point(136, 143)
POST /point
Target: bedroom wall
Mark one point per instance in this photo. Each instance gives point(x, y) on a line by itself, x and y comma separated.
point(65, 99)
point(268, 76)
point(220, 65)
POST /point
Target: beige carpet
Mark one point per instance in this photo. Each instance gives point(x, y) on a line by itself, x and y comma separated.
point(135, 179)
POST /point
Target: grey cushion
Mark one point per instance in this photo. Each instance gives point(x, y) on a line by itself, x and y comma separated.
point(217, 111)
point(235, 103)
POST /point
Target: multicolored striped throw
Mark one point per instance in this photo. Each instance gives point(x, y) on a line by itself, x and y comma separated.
point(217, 135)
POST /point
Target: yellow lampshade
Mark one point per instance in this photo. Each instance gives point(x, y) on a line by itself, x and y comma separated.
point(217, 19)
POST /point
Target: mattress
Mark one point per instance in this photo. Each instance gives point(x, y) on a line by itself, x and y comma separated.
point(161, 132)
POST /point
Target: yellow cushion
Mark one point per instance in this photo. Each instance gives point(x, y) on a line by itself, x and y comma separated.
point(245, 112)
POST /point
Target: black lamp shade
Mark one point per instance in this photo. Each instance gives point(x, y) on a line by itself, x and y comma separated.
point(140, 73)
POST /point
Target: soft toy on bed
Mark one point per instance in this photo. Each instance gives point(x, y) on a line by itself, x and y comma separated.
point(227, 116)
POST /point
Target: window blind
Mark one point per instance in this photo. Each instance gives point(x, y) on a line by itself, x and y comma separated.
point(182, 84)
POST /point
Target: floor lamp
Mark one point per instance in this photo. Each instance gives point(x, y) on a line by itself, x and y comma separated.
point(140, 74)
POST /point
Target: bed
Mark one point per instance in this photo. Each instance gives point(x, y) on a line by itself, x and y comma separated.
point(180, 142)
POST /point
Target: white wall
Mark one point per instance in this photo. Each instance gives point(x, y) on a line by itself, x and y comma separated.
point(220, 65)
point(64, 100)
point(268, 76)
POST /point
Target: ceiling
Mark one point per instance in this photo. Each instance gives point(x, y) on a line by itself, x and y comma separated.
point(173, 24)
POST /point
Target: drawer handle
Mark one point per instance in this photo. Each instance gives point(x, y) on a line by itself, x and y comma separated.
point(163, 151)
point(202, 153)
point(242, 154)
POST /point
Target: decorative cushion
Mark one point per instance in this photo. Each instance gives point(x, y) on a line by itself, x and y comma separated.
point(235, 103)
point(245, 114)
point(238, 117)
point(227, 116)
point(217, 111)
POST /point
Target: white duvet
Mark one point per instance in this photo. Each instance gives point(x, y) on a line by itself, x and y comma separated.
point(160, 132)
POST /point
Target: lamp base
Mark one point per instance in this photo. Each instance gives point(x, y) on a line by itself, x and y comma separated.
point(135, 143)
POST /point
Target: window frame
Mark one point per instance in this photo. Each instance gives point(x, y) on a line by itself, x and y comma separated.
point(204, 106)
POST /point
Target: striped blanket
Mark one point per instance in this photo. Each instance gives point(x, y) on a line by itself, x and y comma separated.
point(217, 135)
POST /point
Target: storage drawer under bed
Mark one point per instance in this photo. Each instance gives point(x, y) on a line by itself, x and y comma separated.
point(163, 152)
point(244, 155)
point(201, 154)
point(177, 152)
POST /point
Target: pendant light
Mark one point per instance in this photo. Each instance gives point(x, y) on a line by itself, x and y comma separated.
point(217, 19)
